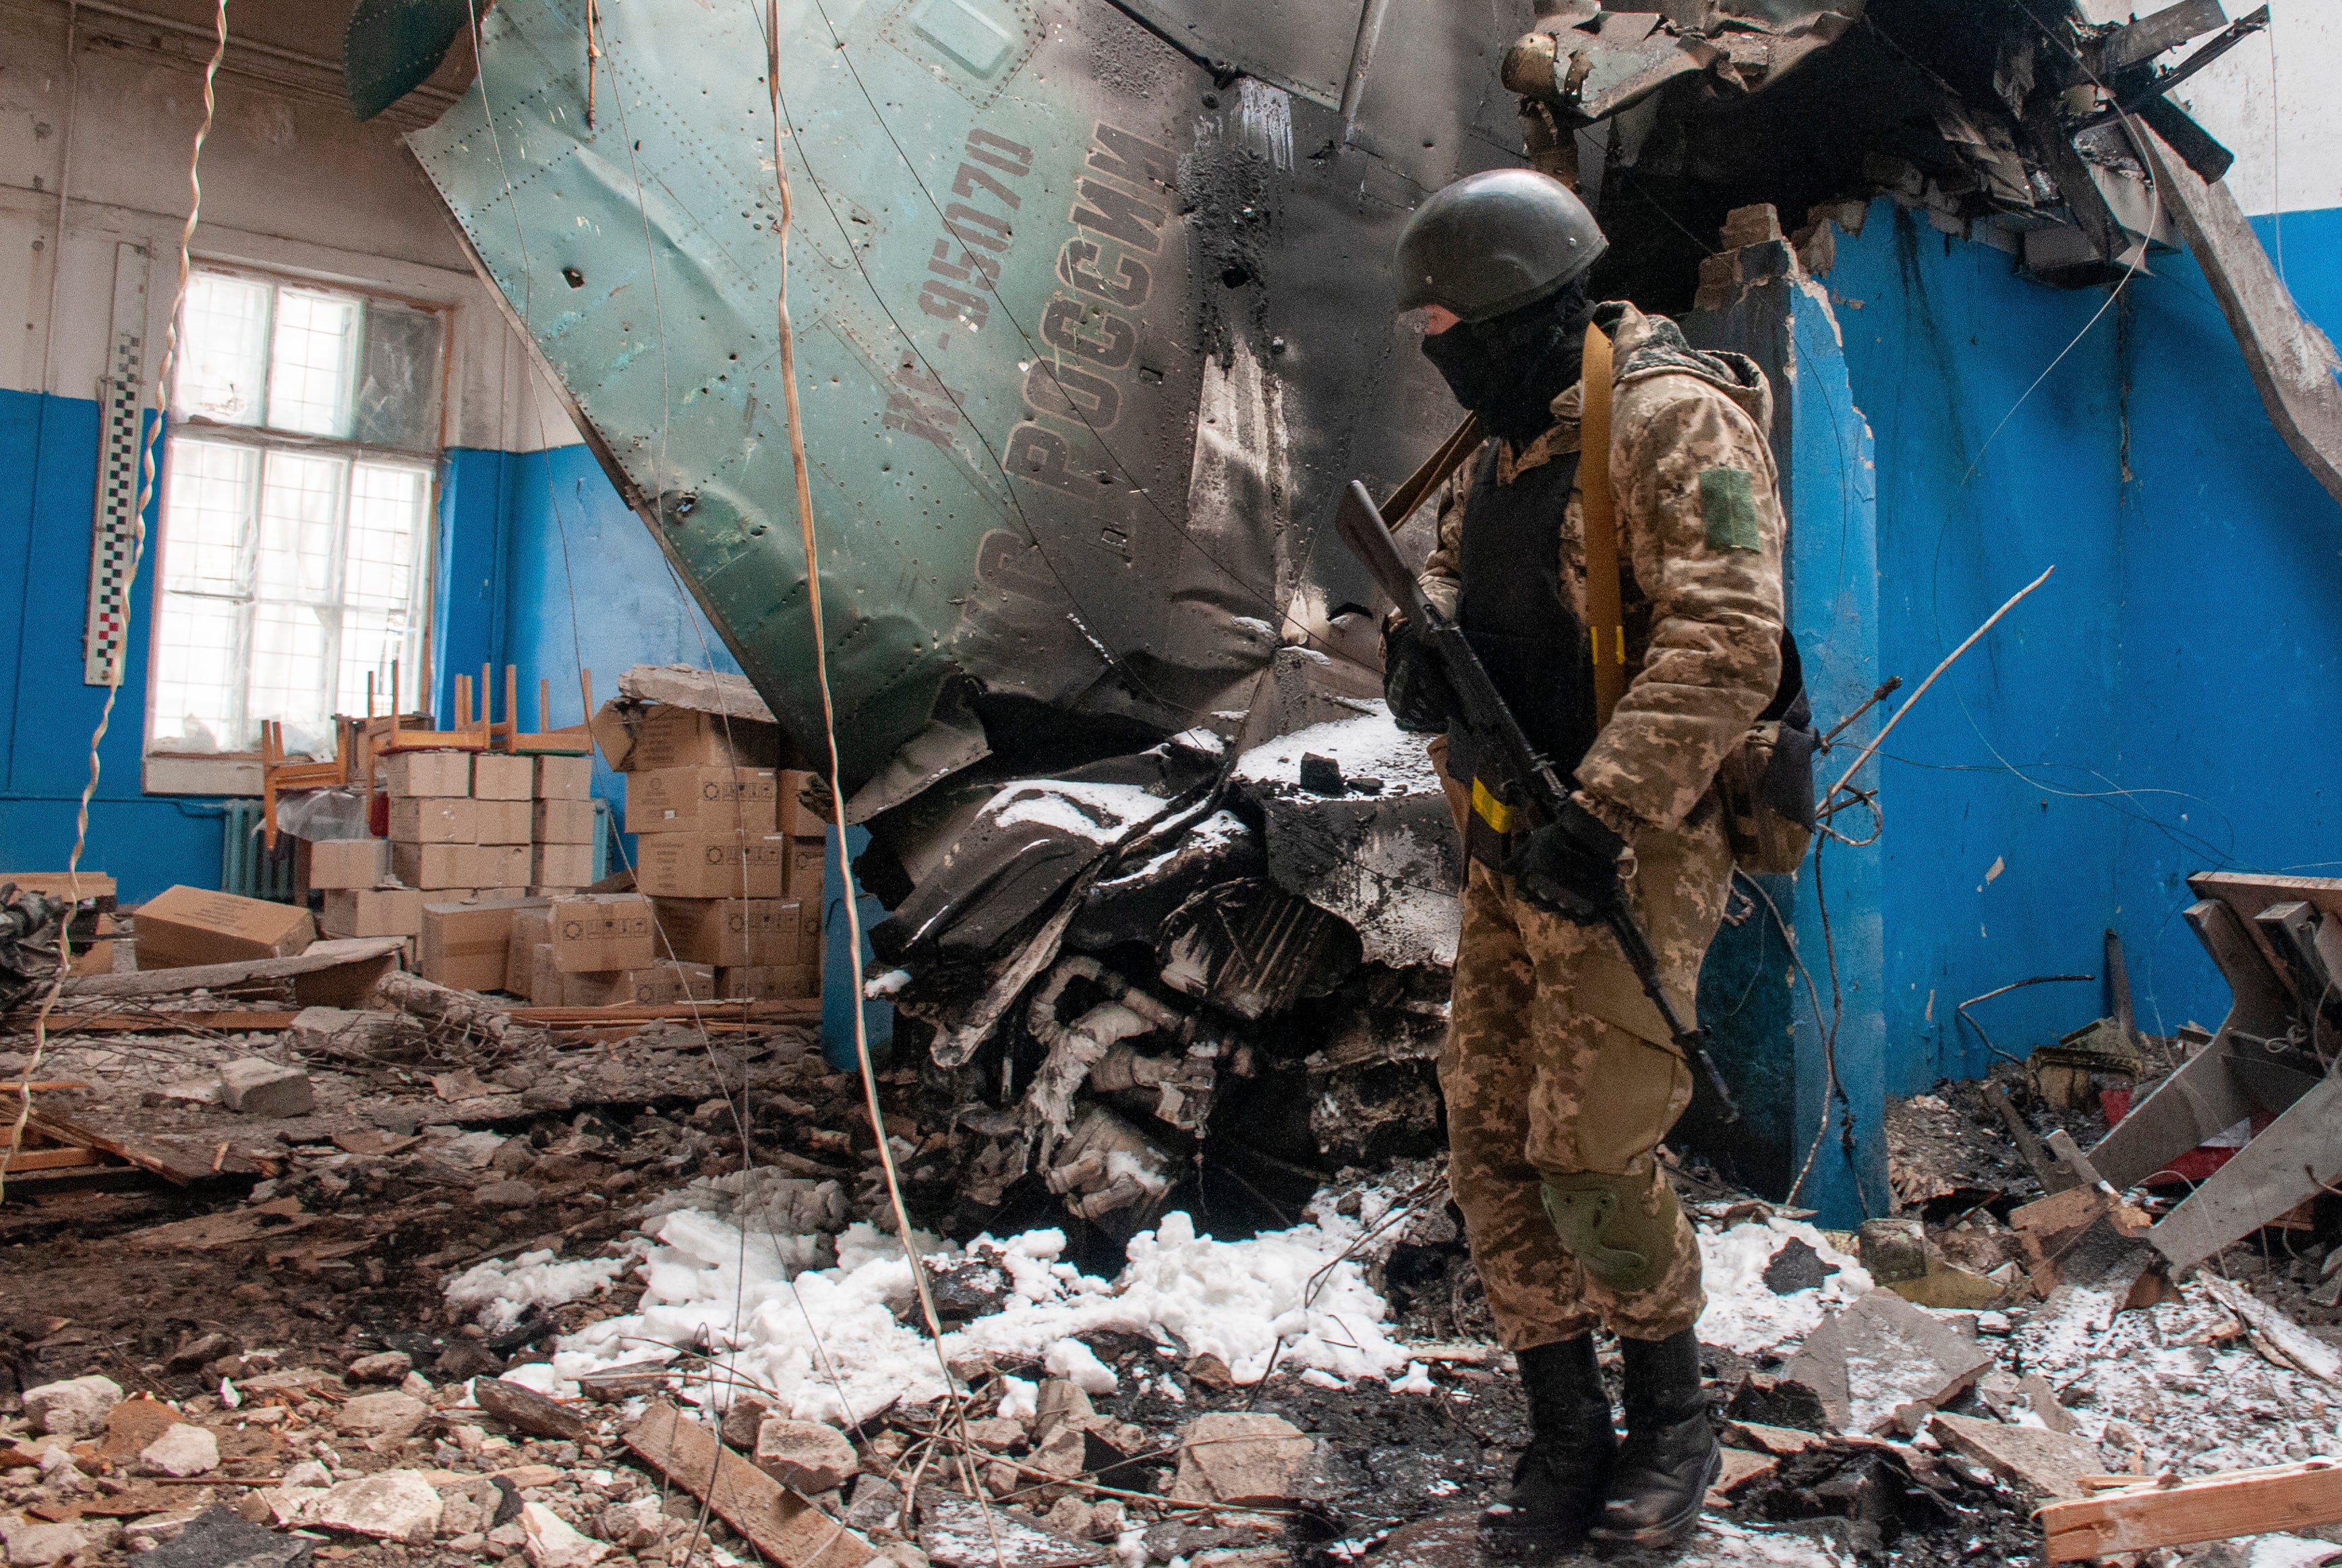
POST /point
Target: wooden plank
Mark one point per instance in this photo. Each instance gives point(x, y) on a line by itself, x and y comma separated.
point(319, 969)
point(2285, 1497)
point(235, 1019)
point(782, 1525)
point(48, 1159)
point(653, 1013)
point(58, 1129)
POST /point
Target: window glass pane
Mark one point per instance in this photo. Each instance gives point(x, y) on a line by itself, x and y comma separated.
point(198, 674)
point(372, 641)
point(388, 504)
point(224, 359)
point(207, 526)
point(312, 363)
point(289, 673)
point(300, 496)
point(398, 384)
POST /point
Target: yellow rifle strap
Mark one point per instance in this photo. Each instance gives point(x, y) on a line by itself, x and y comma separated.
point(1436, 467)
point(1604, 614)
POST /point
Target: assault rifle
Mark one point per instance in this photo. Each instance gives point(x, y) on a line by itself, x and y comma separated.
point(1483, 712)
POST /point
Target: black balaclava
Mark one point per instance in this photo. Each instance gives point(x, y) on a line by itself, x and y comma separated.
point(1509, 369)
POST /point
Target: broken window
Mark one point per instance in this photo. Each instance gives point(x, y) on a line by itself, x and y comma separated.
point(296, 504)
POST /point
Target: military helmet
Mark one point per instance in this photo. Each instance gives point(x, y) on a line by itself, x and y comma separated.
point(1495, 242)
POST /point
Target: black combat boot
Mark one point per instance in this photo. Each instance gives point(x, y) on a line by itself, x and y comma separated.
point(1557, 1485)
point(1670, 1457)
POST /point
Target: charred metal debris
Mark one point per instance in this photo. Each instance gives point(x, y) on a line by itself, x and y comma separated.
point(2003, 120)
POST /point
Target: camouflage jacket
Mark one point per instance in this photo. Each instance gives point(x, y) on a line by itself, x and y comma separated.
point(1700, 561)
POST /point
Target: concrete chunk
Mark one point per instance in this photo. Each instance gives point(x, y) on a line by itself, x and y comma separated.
point(31, 1544)
point(553, 1543)
point(390, 1367)
point(182, 1450)
point(381, 1414)
point(1881, 1364)
point(1242, 1458)
point(805, 1455)
point(389, 1505)
point(2038, 1461)
point(255, 1086)
point(526, 1410)
point(74, 1408)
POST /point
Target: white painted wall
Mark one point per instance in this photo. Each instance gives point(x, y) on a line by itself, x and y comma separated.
point(291, 183)
point(2271, 99)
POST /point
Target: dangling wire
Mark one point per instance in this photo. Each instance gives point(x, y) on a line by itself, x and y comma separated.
point(146, 498)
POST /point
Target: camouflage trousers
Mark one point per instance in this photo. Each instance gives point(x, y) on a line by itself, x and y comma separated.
point(1560, 1083)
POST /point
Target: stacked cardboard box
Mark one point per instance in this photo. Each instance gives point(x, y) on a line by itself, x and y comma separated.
point(487, 826)
point(726, 851)
point(594, 949)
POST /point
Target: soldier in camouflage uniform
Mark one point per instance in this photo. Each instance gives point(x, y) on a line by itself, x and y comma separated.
point(1560, 1079)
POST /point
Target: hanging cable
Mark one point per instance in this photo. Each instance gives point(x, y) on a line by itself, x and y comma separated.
point(145, 498)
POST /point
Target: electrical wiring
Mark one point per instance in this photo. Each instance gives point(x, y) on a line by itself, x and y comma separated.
point(144, 497)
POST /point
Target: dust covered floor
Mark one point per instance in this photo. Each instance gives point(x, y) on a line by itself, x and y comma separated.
point(415, 1322)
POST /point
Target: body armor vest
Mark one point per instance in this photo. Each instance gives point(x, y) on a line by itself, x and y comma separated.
point(1520, 623)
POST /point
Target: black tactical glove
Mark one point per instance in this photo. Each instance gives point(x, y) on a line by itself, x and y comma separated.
point(1570, 867)
point(1412, 684)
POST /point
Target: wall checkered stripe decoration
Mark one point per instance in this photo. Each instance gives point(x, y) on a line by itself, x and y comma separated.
point(120, 403)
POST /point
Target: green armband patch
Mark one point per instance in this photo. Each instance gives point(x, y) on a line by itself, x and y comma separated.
point(1727, 504)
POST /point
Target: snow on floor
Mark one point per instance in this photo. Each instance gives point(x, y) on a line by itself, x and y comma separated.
point(2149, 1380)
point(1743, 1313)
point(824, 1342)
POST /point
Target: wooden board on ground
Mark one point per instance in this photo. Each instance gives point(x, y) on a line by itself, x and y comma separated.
point(161, 1162)
point(332, 974)
point(789, 1011)
point(2284, 1497)
point(225, 1020)
point(782, 1526)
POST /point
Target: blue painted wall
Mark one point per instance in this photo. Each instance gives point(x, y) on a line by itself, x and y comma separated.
point(2156, 708)
point(543, 567)
point(48, 478)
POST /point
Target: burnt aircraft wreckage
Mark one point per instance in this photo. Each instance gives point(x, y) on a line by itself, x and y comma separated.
point(1092, 324)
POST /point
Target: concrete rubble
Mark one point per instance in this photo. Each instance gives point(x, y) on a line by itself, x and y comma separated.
point(403, 1327)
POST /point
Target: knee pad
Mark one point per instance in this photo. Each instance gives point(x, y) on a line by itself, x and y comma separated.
point(1604, 1222)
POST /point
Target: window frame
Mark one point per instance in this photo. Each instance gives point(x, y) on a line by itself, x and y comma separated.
point(237, 773)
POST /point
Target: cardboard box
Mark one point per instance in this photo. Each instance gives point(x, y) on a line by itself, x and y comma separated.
point(776, 984)
point(464, 945)
point(563, 778)
point(613, 729)
point(497, 864)
point(739, 933)
point(710, 864)
point(413, 773)
point(501, 820)
point(561, 822)
point(667, 736)
point(545, 986)
point(603, 931)
point(653, 986)
point(433, 867)
point(561, 864)
point(374, 912)
point(344, 863)
point(532, 929)
point(793, 816)
point(435, 819)
point(701, 800)
point(805, 862)
point(187, 926)
point(498, 778)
